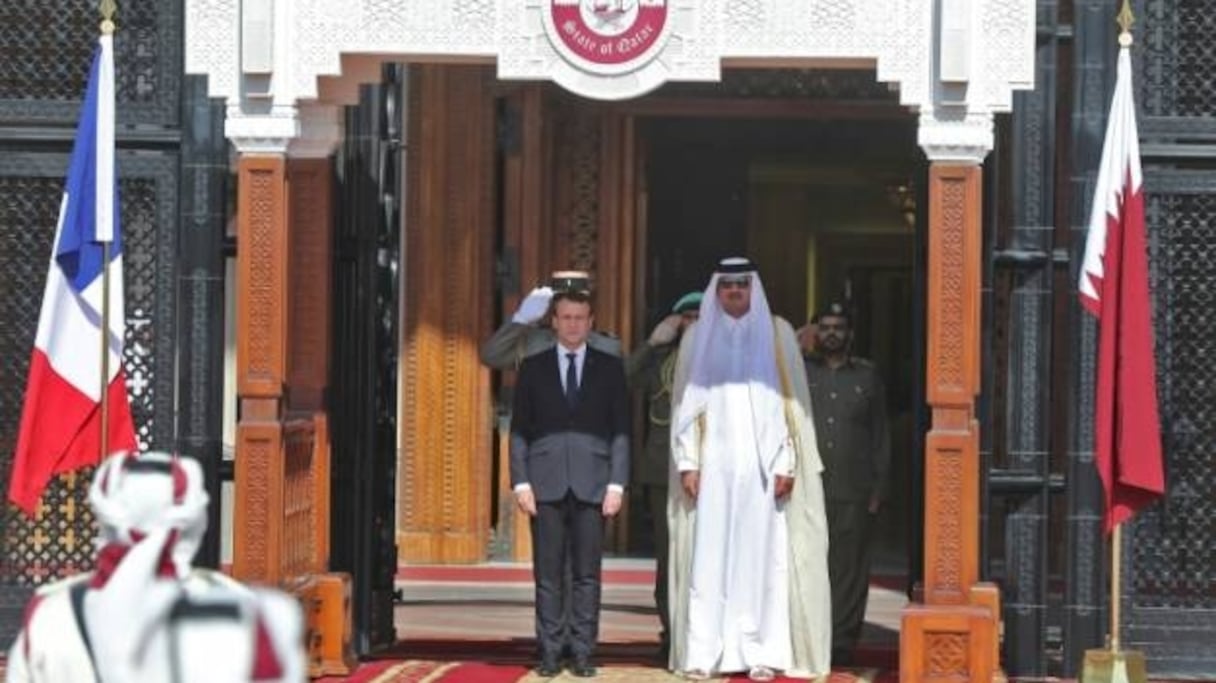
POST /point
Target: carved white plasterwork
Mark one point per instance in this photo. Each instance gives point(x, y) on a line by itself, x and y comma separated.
point(321, 131)
point(899, 37)
point(1006, 35)
point(894, 35)
point(267, 132)
point(955, 137)
point(213, 30)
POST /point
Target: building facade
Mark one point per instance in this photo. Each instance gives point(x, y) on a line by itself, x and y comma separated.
point(386, 179)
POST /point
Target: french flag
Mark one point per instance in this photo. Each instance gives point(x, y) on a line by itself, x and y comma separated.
point(61, 418)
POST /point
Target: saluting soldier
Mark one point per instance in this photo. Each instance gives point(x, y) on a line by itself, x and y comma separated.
point(528, 332)
point(850, 415)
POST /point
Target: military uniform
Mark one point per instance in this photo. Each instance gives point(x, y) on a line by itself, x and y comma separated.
point(650, 370)
point(513, 342)
point(849, 405)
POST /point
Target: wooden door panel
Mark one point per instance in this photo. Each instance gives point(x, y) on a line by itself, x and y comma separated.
point(444, 484)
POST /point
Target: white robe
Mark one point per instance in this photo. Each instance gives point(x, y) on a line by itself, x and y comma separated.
point(748, 582)
point(135, 637)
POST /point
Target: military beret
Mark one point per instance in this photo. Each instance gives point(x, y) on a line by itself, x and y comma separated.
point(834, 309)
point(570, 281)
point(688, 302)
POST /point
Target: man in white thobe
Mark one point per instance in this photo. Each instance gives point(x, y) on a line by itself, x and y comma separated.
point(145, 613)
point(748, 543)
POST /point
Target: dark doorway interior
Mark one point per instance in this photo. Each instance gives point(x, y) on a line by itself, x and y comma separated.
point(828, 210)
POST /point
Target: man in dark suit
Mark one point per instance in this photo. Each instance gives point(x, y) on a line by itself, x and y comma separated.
point(569, 465)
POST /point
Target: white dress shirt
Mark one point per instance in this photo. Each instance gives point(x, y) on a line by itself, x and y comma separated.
point(563, 361)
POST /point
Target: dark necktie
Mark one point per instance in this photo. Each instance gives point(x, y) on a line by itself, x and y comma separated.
point(571, 379)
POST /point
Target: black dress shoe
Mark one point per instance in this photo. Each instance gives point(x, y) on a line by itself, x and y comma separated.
point(583, 668)
point(548, 669)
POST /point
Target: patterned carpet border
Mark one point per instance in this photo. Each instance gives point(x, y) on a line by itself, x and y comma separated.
point(423, 671)
point(511, 661)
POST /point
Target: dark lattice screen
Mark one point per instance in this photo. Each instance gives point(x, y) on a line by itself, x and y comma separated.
point(1171, 605)
point(1176, 55)
point(57, 542)
point(1170, 582)
point(24, 202)
point(46, 47)
point(139, 199)
point(1178, 568)
point(579, 145)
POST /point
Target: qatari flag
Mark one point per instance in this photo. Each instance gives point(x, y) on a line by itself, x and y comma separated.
point(61, 417)
point(1114, 288)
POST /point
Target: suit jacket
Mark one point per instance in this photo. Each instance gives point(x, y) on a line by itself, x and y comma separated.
point(556, 448)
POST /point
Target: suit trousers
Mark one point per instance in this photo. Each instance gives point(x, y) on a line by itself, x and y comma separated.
point(573, 528)
point(849, 527)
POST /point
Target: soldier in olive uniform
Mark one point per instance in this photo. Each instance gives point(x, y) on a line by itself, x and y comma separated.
point(650, 369)
point(849, 405)
point(528, 332)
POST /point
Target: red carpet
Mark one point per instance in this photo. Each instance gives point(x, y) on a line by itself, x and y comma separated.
point(452, 661)
point(416, 671)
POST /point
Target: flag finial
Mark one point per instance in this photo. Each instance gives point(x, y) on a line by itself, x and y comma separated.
point(1125, 20)
point(107, 9)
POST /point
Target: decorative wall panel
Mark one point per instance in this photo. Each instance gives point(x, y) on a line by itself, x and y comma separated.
point(47, 47)
point(58, 542)
point(1175, 60)
point(578, 148)
point(897, 36)
point(1170, 580)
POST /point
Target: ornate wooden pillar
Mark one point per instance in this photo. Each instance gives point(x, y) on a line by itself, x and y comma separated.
point(284, 225)
point(262, 241)
point(952, 635)
point(310, 184)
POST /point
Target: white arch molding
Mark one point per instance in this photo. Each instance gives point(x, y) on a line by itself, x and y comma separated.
point(264, 57)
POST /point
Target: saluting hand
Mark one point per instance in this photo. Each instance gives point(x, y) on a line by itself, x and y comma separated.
point(807, 336)
point(665, 332)
point(612, 503)
point(783, 486)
